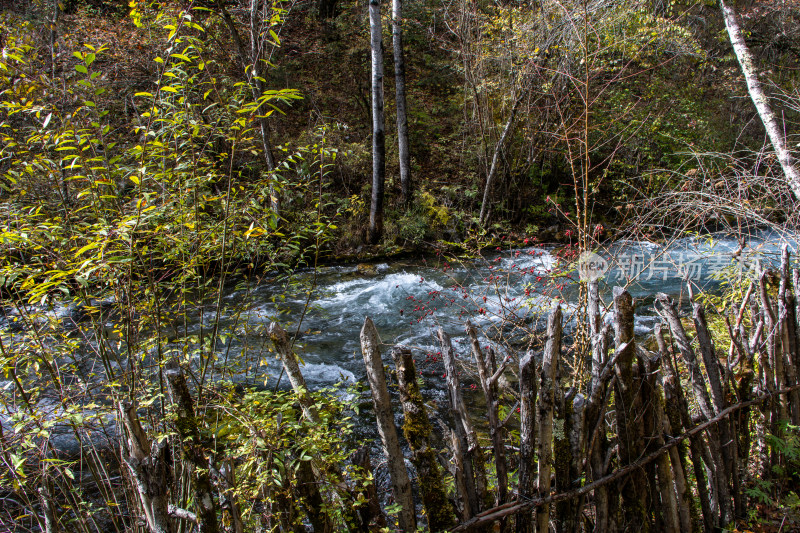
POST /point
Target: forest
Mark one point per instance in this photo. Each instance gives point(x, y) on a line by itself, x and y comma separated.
point(462, 265)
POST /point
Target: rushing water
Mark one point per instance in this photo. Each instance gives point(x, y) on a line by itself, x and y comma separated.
point(505, 294)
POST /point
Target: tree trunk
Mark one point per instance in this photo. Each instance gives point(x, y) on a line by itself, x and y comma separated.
point(400, 101)
point(378, 129)
point(760, 99)
point(401, 485)
point(192, 449)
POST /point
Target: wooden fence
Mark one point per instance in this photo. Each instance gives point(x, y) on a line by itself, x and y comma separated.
point(636, 446)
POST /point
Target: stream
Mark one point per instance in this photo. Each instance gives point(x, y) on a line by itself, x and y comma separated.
point(506, 294)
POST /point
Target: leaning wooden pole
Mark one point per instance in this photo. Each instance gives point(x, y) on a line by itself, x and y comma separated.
point(283, 347)
point(401, 485)
point(768, 118)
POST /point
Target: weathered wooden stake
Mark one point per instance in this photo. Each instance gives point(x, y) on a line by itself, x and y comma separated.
point(280, 340)
point(628, 407)
point(545, 407)
point(723, 476)
point(671, 421)
point(786, 310)
point(488, 379)
point(527, 435)
point(473, 461)
point(720, 495)
point(147, 464)
point(598, 445)
point(369, 513)
point(417, 430)
point(401, 485)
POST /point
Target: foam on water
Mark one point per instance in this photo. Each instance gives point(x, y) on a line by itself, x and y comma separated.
point(326, 374)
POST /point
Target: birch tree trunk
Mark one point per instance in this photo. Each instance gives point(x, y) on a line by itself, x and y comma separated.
point(760, 99)
point(378, 128)
point(400, 100)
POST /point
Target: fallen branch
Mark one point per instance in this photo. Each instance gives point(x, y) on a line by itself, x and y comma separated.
point(183, 514)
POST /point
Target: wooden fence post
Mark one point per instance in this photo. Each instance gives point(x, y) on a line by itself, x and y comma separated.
point(147, 464)
point(672, 426)
point(192, 449)
point(786, 310)
point(369, 512)
point(401, 485)
point(488, 379)
point(727, 475)
point(545, 407)
point(527, 436)
point(417, 430)
point(473, 461)
point(594, 418)
point(719, 492)
point(280, 340)
point(628, 407)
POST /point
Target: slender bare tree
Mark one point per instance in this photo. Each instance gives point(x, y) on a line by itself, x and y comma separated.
point(378, 128)
point(400, 97)
point(251, 63)
point(760, 100)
